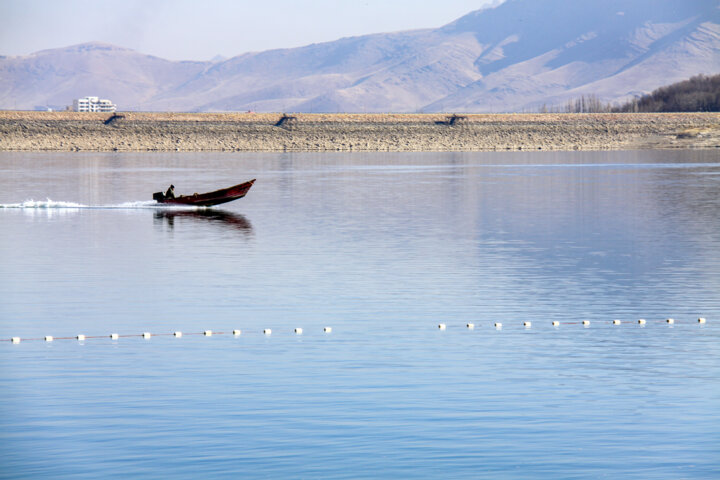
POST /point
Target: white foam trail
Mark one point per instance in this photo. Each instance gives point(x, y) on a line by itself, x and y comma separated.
point(72, 206)
point(42, 204)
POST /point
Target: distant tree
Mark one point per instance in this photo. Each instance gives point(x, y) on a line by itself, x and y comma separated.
point(586, 104)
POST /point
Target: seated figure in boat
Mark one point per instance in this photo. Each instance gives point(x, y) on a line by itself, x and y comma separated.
point(170, 192)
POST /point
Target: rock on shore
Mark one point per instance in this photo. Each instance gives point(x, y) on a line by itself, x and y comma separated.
point(71, 131)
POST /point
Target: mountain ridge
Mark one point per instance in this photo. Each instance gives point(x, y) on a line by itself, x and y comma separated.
point(514, 56)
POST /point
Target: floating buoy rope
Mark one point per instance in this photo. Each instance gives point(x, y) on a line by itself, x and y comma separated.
point(299, 331)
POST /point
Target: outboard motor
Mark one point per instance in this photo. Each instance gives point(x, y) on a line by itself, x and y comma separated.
point(159, 197)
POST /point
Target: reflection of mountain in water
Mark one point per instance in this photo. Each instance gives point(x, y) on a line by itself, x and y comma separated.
point(232, 221)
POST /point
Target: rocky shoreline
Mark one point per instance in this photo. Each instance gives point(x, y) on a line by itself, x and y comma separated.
point(71, 131)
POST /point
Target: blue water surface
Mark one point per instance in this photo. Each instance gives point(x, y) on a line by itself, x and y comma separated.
point(382, 248)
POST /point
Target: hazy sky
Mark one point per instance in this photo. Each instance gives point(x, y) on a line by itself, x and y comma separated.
point(201, 29)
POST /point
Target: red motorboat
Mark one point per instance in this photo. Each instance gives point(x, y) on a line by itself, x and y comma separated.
point(207, 199)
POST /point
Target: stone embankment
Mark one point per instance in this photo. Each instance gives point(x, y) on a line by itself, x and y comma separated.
point(70, 131)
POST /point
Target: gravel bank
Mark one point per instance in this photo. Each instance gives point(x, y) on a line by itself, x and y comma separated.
point(70, 131)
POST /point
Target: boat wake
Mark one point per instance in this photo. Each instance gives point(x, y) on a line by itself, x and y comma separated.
point(58, 205)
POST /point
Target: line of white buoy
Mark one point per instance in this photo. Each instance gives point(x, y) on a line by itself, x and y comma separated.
point(148, 335)
point(585, 323)
point(299, 331)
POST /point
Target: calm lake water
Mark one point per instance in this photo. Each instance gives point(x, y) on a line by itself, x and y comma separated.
point(382, 248)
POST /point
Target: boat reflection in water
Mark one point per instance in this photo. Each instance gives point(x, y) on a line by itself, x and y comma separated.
point(233, 221)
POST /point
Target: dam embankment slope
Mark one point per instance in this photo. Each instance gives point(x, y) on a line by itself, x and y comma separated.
point(266, 132)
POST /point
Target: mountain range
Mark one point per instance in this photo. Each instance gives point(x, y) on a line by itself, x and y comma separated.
point(515, 56)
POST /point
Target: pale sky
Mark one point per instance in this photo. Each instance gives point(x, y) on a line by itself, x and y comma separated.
point(202, 29)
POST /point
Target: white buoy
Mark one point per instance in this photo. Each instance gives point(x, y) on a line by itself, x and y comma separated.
point(49, 338)
point(114, 336)
point(616, 322)
point(498, 325)
point(586, 322)
point(702, 320)
point(237, 332)
point(670, 320)
point(147, 335)
point(80, 337)
point(178, 334)
point(555, 323)
point(15, 339)
point(442, 326)
point(267, 331)
point(327, 329)
point(471, 326)
point(642, 321)
point(298, 331)
point(207, 333)
point(527, 324)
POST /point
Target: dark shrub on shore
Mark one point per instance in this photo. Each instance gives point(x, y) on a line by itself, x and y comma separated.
point(698, 94)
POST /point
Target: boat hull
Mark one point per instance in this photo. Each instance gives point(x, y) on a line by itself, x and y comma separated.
point(209, 199)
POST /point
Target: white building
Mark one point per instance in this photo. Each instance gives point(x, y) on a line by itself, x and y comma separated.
point(93, 104)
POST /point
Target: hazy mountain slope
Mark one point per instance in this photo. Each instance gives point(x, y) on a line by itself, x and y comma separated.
point(614, 49)
point(56, 77)
point(284, 78)
point(517, 55)
point(439, 68)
